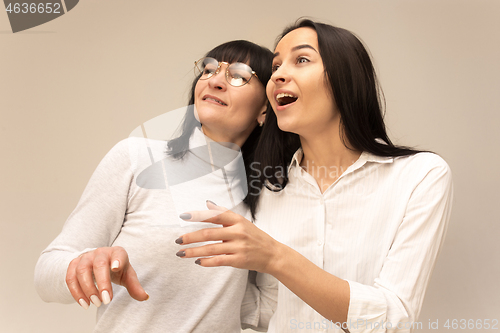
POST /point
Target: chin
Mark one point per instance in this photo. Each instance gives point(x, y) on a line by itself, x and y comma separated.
point(286, 125)
point(207, 115)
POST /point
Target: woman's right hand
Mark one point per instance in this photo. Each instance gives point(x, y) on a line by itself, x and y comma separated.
point(104, 265)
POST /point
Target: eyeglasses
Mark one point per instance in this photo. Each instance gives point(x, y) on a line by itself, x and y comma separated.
point(237, 74)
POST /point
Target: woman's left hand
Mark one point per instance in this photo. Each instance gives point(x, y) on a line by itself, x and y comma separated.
point(243, 244)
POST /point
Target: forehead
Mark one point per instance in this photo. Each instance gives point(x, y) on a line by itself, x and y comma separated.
point(300, 36)
point(230, 55)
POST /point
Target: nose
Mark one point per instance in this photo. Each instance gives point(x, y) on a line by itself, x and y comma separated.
point(218, 80)
point(280, 75)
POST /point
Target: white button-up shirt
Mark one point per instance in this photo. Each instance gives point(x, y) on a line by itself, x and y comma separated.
point(379, 226)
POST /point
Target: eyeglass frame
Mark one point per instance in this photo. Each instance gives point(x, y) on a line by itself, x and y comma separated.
point(217, 71)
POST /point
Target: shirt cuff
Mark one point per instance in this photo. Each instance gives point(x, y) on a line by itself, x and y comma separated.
point(367, 309)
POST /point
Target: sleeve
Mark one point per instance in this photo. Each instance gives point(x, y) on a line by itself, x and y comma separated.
point(95, 222)
point(393, 303)
point(259, 302)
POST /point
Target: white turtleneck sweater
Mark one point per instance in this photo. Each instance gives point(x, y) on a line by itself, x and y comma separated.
point(128, 203)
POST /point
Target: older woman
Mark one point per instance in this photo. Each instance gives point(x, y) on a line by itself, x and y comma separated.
point(124, 227)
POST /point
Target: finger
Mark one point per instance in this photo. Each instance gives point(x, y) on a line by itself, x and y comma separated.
point(134, 287)
point(207, 250)
point(206, 235)
point(201, 216)
point(212, 206)
point(74, 286)
point(84, 273)
point(225, 218)
point(227, 260)
point(119, 258)
point(101, 270)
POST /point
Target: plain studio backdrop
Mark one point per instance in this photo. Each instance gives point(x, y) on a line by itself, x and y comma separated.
point(73, 87)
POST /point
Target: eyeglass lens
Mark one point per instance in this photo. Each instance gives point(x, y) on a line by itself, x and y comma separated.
point(237, 74)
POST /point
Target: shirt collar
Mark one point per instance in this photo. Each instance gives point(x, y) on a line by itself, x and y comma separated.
point(296, 159)
point(221, 156)
point(363, 158)
point(369, 157)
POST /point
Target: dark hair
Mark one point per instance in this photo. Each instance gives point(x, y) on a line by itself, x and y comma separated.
point(259, 59)
point(351, 76)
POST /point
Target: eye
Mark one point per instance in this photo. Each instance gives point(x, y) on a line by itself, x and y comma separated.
point(237, 76)
point(275, 68)
point(301, 60)
point(238, 81)
point(209, 69)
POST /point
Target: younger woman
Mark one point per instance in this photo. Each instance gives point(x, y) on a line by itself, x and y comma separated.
point(353, 224)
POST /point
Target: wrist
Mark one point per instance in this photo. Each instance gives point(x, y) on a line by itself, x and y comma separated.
point(277, 259)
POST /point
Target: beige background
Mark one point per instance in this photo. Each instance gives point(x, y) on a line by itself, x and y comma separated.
point(70, 89)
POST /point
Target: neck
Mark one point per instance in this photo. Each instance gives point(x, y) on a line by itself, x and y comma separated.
point(326, 157)
point(224, 140)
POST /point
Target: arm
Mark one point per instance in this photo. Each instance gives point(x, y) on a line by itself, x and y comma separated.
point(246, 246)
point(398, 292)
point(396, 295)
point(95, 223)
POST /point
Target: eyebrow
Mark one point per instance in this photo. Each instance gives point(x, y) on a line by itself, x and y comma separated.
point(298, 47)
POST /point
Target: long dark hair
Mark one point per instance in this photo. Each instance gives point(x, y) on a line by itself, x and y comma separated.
point(351, 76)
point(260, 60)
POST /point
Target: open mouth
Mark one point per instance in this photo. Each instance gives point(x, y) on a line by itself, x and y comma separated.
point(285, 98)
point(214, 99)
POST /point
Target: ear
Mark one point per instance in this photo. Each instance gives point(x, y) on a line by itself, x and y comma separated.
point(262, 114)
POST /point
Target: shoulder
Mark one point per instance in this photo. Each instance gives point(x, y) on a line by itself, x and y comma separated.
point(423, 162)
point(133, 144)
point(424, 168)
point(136, 152)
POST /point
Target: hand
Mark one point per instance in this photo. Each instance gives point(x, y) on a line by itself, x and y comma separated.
point(243, 244)
point(105, 265)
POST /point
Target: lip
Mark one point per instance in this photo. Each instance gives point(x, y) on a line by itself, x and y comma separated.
point(204, 98)
point(283, 107)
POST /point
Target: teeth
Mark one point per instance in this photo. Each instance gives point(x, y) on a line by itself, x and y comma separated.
point(285, 98)
point(281, 95)
point(215, 100)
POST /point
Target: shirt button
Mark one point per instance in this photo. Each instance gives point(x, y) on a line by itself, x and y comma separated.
point(320, 243)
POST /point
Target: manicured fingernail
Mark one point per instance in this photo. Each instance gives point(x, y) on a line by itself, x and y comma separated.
point(181, 253)
point(105, 297)
point(146, 294)
point(179, 240)
point(213, 203)
point(185, 216)
point(95, 300)
point(83, 303)
point(115, 264)
point(198, 262)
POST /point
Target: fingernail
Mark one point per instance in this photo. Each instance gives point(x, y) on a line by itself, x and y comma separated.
point(105, 297)
point(179, 240)
point(83, 303)
point(213, 203)
point(181, 253)
point(95, 300)
point(115, 264)
point(185, 216)
point(146, 294)
point(198, 262)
